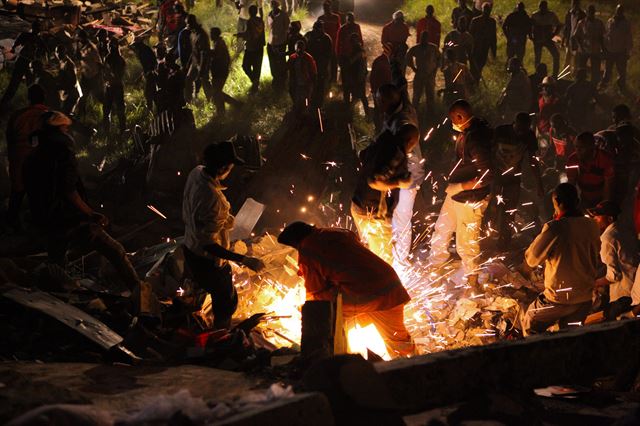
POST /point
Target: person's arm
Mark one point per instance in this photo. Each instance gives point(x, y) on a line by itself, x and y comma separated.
point(409, 136)
point(542, 245)
point(410, 59)
point(609, 258)
point(316, 285)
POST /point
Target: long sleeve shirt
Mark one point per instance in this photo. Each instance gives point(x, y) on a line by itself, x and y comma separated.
point(278, 28)
point(619, 38)
point(569, 249)
point(619, 254)
point(206, 214)
point(333, 260)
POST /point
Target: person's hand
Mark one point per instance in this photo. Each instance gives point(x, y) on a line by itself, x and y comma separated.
point(253, 263)
point(100, 219)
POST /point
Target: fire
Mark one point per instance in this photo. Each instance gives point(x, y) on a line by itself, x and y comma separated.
point(362, 338)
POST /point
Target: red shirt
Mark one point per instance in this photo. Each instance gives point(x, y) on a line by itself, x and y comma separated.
point(380, 73)
point(331, 24)
point(395, 33)
point(546, 109)
point(564, 146)
point(334, 259)
point(302, 69)
point(591, 176)
point(344, 38)
point(433, 28)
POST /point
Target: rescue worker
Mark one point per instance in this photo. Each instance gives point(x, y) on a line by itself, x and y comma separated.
point(619, 254)
point(29, 46)
point(467, 196)
point(208, 222)
point(483, 31)
point(47, 82)
point(198, 74)
point(331, 23)
point(114, 87)
point(461, 42)
point(355, 76)
point(22, 124)
point(333, 261)
point(253, 48)
point(302, 77)
point(514, 144)
point(462, 10)
point(67, 80)
point(58, 203)
point(590, 40)
point(562, 138)
point(581, 98)
point(458, 82)
point(380, 75)
point(89, 70)
point(431, 25)
point(345, 47)
point(568, 247)
point(395, 33)
point(516, 28)
point(545, 25)
point(619, 42)
point(424, 59)
point(574, 15)
point(319, 46)
point(219, 65)
point(516, 96)
point(591, 170)
point(278, 23)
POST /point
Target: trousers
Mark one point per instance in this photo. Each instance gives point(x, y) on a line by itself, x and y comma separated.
point(376, 233)
point(401, 227)
point(542, 314)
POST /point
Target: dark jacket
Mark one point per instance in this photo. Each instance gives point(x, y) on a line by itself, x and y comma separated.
point(473, 147)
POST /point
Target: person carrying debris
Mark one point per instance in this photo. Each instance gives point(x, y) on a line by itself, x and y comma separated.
point(619, 254)
point(253, 48)
point(21, 125)
point(114, 87)
point(512, 145)
point(333, 261)
point(424, 59)
point(302, 77)
point(468, 194)
point(57, 200)
point(208, 221)
point(568, 246)
point(319, 47)
point(31, 47)
point(220, 64)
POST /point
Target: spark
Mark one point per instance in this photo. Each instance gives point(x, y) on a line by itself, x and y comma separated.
point(457, 75)
point(428, 134)
point(320, 120)
point(156, 211)
point(305, 157)
point(572, 167)
point(480, 180)
point(180, 291)
point(455, 167)
point(507, 171)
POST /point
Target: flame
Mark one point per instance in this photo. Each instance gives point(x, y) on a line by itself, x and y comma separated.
point(362, 338)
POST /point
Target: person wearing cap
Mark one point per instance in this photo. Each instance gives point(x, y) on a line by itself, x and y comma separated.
point(208, 221)
point(332, 23)
point(618, 253)
point(21, 125)
point(302, 77)
point(468, 193)
point(568, 246)
point(58, 202)
point(319, 46)
point(333, 261)
point(278, 24)
point(516, 28)
point(396, 33)
point(592, 170)
point(431, 25)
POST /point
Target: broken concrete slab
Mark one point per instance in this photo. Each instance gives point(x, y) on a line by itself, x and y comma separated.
point(575, 356)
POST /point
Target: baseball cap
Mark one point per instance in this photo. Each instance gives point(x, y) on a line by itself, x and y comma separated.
point(605, 208)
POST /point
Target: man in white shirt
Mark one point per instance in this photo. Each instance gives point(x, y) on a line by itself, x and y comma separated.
point(208, 221)
point(618, 253)
point(278, 23)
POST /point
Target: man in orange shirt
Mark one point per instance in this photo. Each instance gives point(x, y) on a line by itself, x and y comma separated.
point(431, 25)
point(396, 33)
point(21, 125)
point(333, 261)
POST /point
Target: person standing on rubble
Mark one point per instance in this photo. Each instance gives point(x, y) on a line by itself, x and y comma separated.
point(333, 261)
point(391, 171)
point(21, 125)
point(253, 48)
point(619, 254)
point(568, 246)
point(278, 22)
point(58, 203)
point(219, 66)
point(114, 87)
point(424, 59)
point(31, 47)
point(208, 221)
point(319, 47)
point(468, 194)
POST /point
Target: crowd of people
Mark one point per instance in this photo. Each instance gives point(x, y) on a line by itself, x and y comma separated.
point(545, 127)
